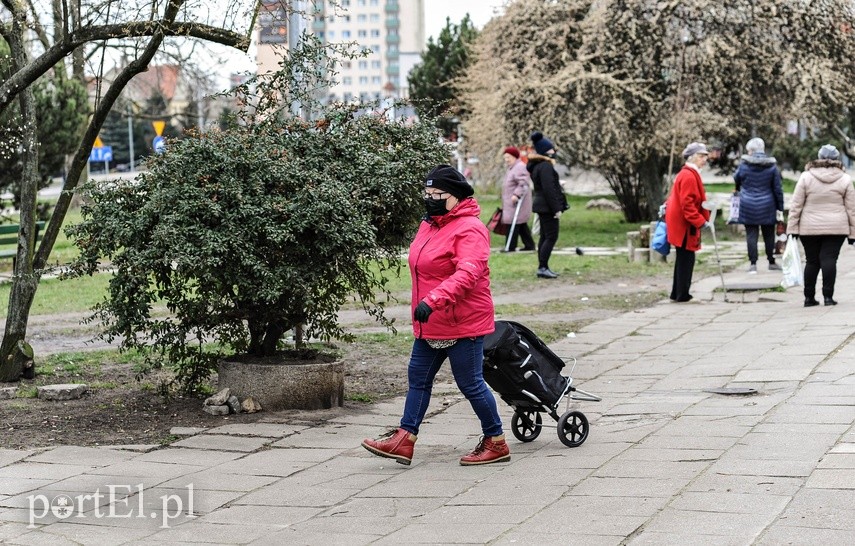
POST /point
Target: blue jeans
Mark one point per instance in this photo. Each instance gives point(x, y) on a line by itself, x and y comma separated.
point(467, 359)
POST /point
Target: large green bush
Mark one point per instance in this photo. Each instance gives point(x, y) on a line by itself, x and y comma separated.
point(248, 232)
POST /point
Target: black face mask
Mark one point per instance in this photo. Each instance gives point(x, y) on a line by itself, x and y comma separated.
point(436, 207)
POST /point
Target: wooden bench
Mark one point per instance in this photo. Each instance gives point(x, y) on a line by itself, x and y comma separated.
point(9, 239)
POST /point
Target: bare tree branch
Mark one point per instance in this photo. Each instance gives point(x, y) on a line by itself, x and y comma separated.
point(37, 67)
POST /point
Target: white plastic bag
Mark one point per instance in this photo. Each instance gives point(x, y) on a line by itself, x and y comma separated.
point(791, 263)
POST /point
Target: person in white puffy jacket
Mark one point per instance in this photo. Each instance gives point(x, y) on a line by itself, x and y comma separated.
point(822, 216)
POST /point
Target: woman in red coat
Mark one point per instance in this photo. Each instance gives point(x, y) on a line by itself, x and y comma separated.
point(685, 216)
point(452, 310)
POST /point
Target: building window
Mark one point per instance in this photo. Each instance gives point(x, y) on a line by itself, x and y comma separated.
point(361, 18)
point(375, 79)
point(376, 49)
point(375, 17)
point(362, 33)
point(345, 34)
point(375, 2)
point(393, 48)
point(360, 3)
point(347, 80)
point(363, 80)
point(345, 64)
point(331, 34)
point(363, 65)
point(375, 33)
point(375, 64)
point(345, 3)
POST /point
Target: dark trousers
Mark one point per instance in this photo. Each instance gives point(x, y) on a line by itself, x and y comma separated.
point(821, 252)
point(751, 233)
point(548, 237)
point(684, 266)
point(521, 231)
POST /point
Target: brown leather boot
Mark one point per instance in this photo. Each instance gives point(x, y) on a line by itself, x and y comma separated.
point(398, 445)
point(489, 450)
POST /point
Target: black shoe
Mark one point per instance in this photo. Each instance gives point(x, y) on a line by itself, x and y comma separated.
point(810, 302)
point(829, 301)
point(532, 249)
point(546, 273)
point(511, 250)
point(579, 251)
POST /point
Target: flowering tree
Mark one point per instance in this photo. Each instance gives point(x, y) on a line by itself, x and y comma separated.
point(622, 85)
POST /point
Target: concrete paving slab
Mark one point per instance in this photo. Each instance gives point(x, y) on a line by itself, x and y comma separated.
point(291, 495)
point(786, 534)
point(43, 471)
point(832, 478)
point(16, 486)
point(296, 536)
point(211, 533)
point(9, 456)
point(447, 533)
point(188, 456)
point(219, 442)
point(217, 481)
point(73, 455)
point(685, 537)
point(265, 430)
point(91, 534)
point(746, 526)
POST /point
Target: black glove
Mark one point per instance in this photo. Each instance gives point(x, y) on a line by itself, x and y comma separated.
point(794, 236)
point(422, 312)
point(851, 241)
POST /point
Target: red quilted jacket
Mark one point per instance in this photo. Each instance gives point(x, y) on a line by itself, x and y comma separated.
point(448, 264)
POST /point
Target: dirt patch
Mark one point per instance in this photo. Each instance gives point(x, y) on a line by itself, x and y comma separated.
point(119, 409)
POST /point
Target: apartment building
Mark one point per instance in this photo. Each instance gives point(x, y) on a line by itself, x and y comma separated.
point(392, 30)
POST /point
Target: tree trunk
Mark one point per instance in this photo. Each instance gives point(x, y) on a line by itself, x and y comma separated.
point(25, 280)
point(639, 189)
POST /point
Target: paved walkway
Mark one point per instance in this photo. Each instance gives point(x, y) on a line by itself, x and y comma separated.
point(666, 462)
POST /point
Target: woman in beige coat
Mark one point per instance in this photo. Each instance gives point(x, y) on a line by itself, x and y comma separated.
point(822, 215)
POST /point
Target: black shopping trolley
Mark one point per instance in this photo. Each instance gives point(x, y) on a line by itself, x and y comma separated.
point(526, 374)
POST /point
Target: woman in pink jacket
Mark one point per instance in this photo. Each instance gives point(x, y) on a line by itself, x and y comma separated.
point(452, 310)
point(822, 214)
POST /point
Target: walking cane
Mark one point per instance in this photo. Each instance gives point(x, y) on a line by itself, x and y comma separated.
point(514, 223)
point(713, 208)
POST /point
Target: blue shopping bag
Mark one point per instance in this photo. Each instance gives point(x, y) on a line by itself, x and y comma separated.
point(659, 242)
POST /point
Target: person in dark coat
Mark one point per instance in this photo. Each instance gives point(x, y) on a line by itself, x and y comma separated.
point(548, 202)
point(684, 218)
point(758, 182)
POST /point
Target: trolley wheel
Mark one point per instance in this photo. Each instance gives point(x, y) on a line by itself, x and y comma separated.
point(526, 425)
point(573, 428)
